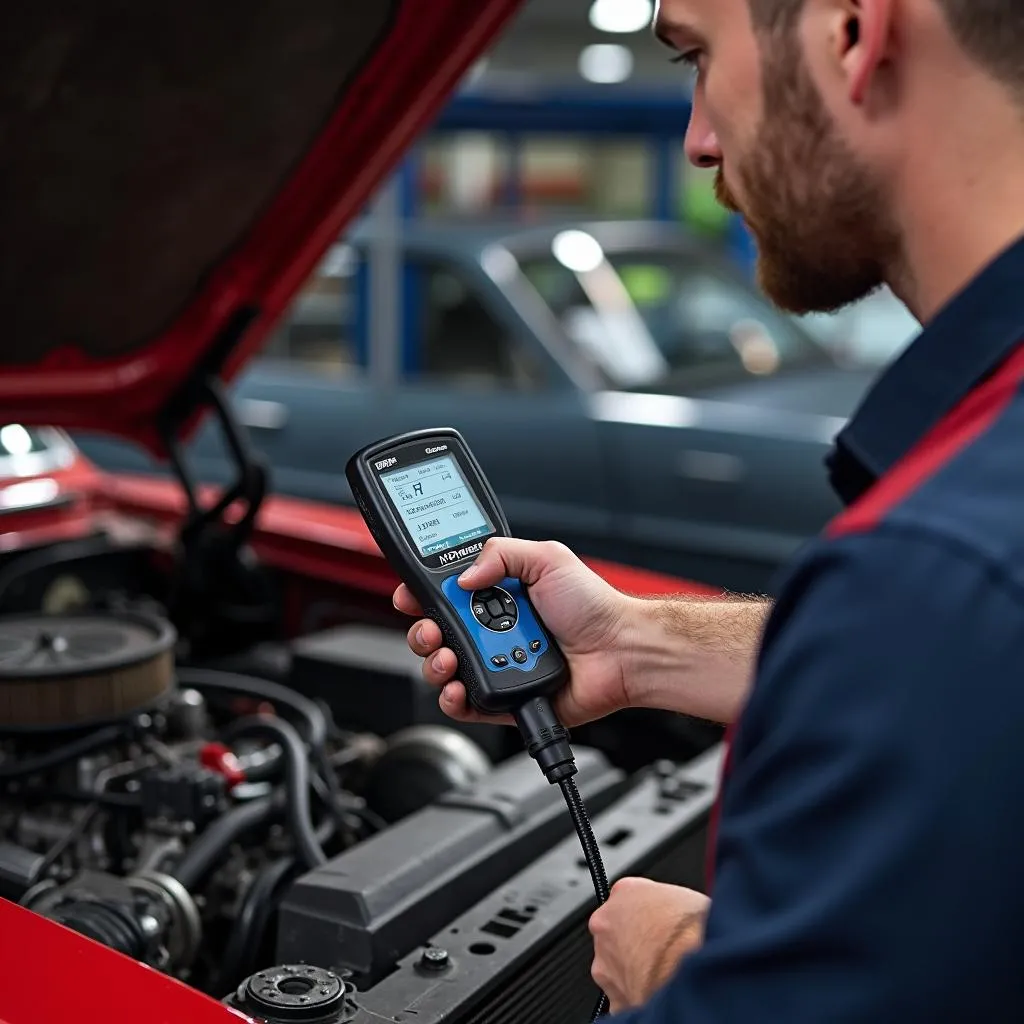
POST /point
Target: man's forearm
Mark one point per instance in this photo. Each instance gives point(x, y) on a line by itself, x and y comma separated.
point(694, 655)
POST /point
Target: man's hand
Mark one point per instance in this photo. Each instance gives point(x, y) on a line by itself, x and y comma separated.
point(640, 935)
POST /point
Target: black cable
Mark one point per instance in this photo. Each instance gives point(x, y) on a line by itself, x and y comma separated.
point(547, 742)
point(296, 777)
point(592, 854)
point(203, 855)
point(62, 754)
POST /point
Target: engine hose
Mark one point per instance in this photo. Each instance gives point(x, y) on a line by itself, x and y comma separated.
point(106, 923)
point(61, 755)
point(203, 855)
point(214, 681)
point(250, 923)
point(251, 920)
point(296, 775)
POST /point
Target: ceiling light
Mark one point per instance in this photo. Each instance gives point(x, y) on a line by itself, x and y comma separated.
point(15, 439)
point(621, 15)
point(606, 63)
point(577, 251)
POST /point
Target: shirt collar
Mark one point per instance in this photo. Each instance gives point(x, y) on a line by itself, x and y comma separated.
point(964, 343)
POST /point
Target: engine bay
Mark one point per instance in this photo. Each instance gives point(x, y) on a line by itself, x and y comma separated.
point(162, 809)
point(215, 767)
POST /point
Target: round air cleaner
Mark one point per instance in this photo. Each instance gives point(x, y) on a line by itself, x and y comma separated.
point(75, 670)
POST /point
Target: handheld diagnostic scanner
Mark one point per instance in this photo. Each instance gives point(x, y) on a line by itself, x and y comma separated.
point(430, 509)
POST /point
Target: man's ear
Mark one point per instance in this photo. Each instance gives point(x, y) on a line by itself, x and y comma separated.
point(861, 36)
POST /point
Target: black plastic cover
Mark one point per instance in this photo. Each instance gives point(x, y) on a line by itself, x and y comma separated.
point(523, 952)
point(370, 906)
point(372, 681)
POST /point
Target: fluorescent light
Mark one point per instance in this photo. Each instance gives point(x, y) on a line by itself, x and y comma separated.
point(579, 252)
point(621, 15)
point(606, 63)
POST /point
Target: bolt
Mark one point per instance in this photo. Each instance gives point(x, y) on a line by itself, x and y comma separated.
point(434, 958)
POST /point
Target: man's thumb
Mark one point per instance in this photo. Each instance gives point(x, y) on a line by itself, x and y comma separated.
point(506, 556)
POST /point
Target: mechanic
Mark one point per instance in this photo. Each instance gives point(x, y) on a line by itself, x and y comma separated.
point(867, 863)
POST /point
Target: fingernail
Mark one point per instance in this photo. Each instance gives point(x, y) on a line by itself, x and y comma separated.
point(448, 694)
point(419, 638)
point(437, 663)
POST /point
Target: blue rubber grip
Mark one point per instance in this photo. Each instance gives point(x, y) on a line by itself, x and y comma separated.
point(491, 643)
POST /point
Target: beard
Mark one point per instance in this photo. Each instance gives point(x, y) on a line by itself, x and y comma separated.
point(818, 216)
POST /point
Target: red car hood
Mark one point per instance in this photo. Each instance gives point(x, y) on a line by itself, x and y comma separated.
point(171, 173)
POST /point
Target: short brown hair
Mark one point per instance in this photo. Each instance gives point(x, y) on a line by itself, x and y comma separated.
point(990, 31)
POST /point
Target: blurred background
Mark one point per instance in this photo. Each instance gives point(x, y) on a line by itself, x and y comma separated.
point(547, 273)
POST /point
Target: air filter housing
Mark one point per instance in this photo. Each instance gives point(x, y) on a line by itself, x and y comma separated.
point(62, 671)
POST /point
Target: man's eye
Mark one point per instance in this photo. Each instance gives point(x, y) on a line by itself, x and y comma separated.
point(691, 60)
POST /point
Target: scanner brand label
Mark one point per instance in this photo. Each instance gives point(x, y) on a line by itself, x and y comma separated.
point(384, 463)
point(454, 556)
point(434, 451)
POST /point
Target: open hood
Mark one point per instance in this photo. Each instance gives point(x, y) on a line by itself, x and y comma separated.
point(171, 173)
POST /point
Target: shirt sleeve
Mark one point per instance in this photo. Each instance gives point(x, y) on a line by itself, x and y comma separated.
point(868, 863)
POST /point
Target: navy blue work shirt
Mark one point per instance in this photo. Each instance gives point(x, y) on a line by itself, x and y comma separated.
point(870, 857)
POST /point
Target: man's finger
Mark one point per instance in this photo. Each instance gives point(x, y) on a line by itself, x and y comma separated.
point(405, 602)
point(424, 637)
point(524, 560)
point(454, 703)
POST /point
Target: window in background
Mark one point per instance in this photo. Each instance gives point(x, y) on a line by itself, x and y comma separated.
point(662, 320)
point(461, 341)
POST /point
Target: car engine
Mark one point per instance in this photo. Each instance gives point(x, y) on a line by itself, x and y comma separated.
point(163, 809)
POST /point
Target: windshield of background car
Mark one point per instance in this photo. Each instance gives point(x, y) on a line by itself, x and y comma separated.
point(665, 321)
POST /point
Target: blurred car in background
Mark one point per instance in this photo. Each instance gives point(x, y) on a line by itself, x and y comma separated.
point(627, 391)
point(870, 332)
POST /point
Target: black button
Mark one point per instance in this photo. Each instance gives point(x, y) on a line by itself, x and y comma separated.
point(494, 606)
point(535, 645)
point(499, 661)
point(480, 612)
point(518, 655)
point(503, 624)
point(510, 605)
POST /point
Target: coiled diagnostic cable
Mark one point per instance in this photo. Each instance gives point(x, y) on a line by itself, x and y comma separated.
point(547, 742)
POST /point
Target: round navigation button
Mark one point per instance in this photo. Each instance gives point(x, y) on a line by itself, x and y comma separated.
point(518, 655)
point(494, 609)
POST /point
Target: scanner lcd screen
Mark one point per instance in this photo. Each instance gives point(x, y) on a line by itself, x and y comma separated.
point(438, 509)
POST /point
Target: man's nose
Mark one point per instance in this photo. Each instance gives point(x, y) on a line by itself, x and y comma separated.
point(702, 149)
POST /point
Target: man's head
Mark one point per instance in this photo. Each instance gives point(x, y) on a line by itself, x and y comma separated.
point(815, 113)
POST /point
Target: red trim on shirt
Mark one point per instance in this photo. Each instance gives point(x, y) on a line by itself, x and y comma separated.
point(968, 420)
point(965, 424)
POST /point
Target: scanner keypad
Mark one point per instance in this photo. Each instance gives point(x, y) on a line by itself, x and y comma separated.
point(495, 609)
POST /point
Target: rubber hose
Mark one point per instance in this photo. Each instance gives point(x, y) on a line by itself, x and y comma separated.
point(251, 922)
point(60, 755)
point(296, 765)
point(203, 855)
point(216, 681)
